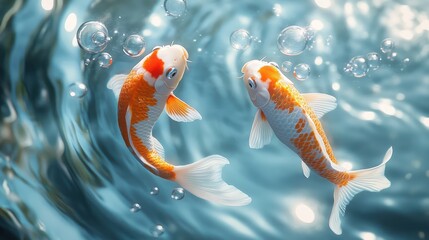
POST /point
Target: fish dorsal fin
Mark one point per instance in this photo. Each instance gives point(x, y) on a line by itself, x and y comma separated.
point(115, 83)
point(158, 147)
point(305, 169)
point(320, 103)
point(180, 111)
point(261, 132)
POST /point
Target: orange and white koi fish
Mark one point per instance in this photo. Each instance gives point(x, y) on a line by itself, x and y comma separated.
point(294, 119)
point(142, 95)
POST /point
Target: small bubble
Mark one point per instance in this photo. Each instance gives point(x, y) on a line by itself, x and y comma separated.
point(408, 176)
point(421, 234)
point(387, 45)
point(328, 40)
point(374, 60)
point(104, 60)
point(301, 71)
point(287, 66)
point(157, 231)
point(292, 40)
point(240, 39)
point(309, 33)
point(135, 208)
point(175, 8)
point(92, 36)
point(404, 63)
point(392, 56)
point(87, 61)
point(77, 90)
point(358, 66)
point(177, 193)
point(99, 38)
point(134, 45)
point(154, 191)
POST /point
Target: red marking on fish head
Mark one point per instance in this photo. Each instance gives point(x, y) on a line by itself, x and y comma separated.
point(154, 65)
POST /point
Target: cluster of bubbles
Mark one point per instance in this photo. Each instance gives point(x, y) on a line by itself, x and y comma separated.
point(293, 40)
point(178, 193)
point(175, 8)
point(301, 71)
point(93, 37)
point(360, 66)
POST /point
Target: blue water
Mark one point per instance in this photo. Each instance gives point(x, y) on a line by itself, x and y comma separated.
point(66, 173)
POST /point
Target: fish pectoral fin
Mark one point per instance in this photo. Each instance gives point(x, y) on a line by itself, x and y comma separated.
point(158, 147)
point(261, 132)
point(320, 103)
point(305, 169)
point(179, 111)
point(116, 83)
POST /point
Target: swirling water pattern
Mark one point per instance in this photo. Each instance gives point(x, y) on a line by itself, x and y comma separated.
point(66, 173)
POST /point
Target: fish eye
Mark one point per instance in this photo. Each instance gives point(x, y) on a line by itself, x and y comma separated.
point(171, 73)
point(156, 48)
point(274, 64)
point(252, 83)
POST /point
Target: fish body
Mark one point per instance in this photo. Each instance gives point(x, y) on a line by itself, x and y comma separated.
point(143, 95)
point(294, 119)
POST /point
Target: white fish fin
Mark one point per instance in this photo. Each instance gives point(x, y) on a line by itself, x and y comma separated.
point(179, 111)
point(204, 180)
point(261, 132)
point(158, 147)
point(305, 169)
point(116, 83)
point(320, 103)
point(371, 179)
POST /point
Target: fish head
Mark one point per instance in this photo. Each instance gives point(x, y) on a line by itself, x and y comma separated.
point(166, 66)
point(256, 83)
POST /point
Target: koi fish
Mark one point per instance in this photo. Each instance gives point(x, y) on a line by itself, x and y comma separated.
point(142, 96)
point(294, 119)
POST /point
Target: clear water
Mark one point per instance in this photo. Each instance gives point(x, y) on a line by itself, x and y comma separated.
point(66, 173)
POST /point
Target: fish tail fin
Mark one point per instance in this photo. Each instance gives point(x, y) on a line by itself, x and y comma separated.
point(204, 179)
point(371, 179)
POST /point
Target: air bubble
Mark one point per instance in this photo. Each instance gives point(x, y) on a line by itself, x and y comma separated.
point(154, 191)
point(104, 60)
point(301, 71)
point(392, 56)
point(374, 60)
point(387, 45)
point(287, 66)
point(134, 45)
point(178, 193)
point(77, 90)
point(358, 66)
point(404, 63)
point(175, 8)
point(135, 208)
point(157, 231)
point(92, 36)
point(292, 40)
point(240, 39)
